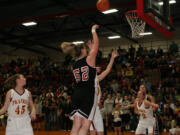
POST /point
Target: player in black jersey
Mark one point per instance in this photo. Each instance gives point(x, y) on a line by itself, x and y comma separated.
point(84, 99)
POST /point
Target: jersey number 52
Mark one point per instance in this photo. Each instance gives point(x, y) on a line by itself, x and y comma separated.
point(81, 74)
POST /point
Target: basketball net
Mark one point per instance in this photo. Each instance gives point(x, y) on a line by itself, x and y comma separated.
point(137, 25)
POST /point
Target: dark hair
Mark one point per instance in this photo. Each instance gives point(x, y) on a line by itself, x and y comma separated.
point(11, 82)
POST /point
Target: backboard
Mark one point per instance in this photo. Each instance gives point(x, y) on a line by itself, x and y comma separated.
point(156, 13)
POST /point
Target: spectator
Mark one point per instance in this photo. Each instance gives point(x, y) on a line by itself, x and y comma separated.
point(46, 112)
point(117, 120)
point(2, 118)
point(152, 52)
point(140, 50)
point(60, 114)
point(132, 52)
point(114, 85)
point(135, 84)
point(178, 120)
point(67, 111)
point(118, 100)
point(159, 51)
point(50, 93)
point(124, 85)
point(38, 107)
point(125, 113)
point(147, 84)
point(108, 106)
point(129, 72)
point(173, 47)
point(53, 114)
point(175, 130)
point(133, 121)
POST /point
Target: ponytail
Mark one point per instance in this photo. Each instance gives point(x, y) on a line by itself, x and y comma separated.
point(67, 48)
point(72, 49)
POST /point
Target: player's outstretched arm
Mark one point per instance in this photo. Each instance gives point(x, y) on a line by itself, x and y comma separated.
point(147, 103)
point(94, 46)
point(33, 111)
point(152, 99)
point(136, 110)
point(6, 104)
point(109, 67)
point(129, 106)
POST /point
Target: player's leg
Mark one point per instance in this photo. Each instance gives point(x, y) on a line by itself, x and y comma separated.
point(39, 125)
point(140, 130)
point(77, 123)
point(100, 133)
point(119, 130)
point(88, 109)
point(116, 130)
point(94, 123)
point(151, 130)
point(177, 130)
point(92, 127)
point(92, 132)
point(99, 125)
point(85, 126)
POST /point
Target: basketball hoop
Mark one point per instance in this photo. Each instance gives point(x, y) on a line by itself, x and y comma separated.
point(137, 25)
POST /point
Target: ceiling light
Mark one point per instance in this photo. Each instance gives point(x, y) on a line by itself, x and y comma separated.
point(113, 37)
point(110, 11)
point(29, 23)
point(145, 33)
point(78, 42)
point(170, 2)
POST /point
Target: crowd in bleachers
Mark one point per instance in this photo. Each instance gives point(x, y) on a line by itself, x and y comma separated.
point(51, 84)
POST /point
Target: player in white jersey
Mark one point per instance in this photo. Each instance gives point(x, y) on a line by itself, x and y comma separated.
point(150, 98)
point(17, 102)
point(97, 124)
point(145, 109)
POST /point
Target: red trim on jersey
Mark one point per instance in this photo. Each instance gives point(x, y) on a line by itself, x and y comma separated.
point(93, 125)
point(20, 94)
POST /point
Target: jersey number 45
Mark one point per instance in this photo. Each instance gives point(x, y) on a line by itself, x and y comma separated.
point(20, 111)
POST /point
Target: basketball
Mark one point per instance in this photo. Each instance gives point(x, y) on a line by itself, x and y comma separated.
point(102, 5)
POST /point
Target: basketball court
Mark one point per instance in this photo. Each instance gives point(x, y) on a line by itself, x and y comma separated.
point(35, 28)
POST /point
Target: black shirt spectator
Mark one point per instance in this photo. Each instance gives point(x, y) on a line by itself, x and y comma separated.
point(159, 51)
point(132, 51)
point(140, 50)
point(173, 47)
